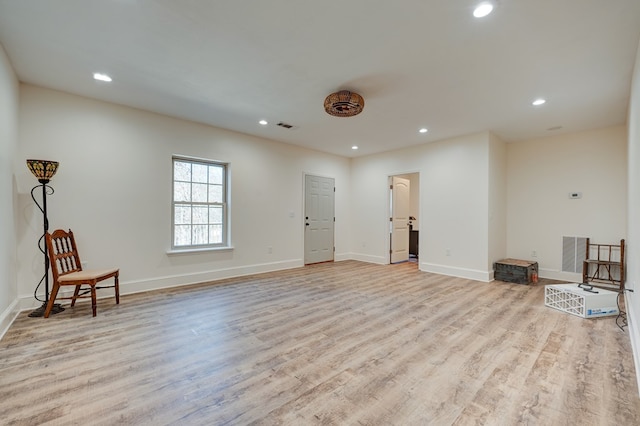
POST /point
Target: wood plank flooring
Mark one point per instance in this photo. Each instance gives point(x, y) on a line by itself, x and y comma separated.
point(347, 343)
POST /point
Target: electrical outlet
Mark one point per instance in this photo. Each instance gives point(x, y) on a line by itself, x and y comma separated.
point(534, 253)
point(447, 252)
point(270, 250)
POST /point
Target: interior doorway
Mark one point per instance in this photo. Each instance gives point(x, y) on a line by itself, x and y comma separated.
point(404, 205)
point(319, 224)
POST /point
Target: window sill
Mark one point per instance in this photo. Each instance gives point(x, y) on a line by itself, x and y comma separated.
point(198, 250)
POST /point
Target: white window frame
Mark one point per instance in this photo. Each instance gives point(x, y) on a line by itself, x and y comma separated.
point(224, 204)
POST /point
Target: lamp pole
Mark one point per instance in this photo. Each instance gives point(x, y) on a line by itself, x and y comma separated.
point(46, 252)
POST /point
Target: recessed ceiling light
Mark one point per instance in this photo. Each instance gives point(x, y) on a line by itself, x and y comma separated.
point(482, 10)
point(538, 102)
point(263, 122)
point(423, 130)
point(101, 77)
point(354, 147)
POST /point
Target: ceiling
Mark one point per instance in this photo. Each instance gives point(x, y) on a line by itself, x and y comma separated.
point(417, 63)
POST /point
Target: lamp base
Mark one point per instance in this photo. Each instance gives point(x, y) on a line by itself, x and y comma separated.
point(39, 312)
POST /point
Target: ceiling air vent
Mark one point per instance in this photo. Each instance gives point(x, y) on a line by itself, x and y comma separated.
point(286, 126)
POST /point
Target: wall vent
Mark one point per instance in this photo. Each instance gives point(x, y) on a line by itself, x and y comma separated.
point(574, 252)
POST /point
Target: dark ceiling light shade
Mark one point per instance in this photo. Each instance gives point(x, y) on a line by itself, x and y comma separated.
point(344, 104)
point(43, 170)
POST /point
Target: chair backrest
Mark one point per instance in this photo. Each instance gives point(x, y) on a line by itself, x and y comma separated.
point(63, 253)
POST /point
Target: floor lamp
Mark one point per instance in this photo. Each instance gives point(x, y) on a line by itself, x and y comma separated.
point(43, 170)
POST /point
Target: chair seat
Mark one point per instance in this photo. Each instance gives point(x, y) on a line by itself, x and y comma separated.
point(87, 275)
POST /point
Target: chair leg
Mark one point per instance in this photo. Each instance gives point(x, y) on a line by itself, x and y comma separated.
point(75, 295)
point(117, 289)
point(52, 299)
point(93, 299)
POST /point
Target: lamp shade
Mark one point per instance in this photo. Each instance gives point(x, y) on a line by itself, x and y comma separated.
point(344, 104)
point(43, 170)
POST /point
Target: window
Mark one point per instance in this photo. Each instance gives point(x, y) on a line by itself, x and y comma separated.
point(199, 203)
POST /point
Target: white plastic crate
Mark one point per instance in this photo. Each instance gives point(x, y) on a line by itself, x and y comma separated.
point(572, 299)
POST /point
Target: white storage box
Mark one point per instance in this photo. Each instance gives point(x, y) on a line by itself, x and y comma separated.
point(576, 300)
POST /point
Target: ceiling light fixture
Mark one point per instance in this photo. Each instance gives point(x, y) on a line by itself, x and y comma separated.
point(482, 10)
point(101, 77)
point(263, 122)
point(354, 147)
point(423, 130)
point(538, 102)
point(344, 104)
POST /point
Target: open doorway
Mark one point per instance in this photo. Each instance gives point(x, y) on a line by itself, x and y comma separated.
point(404, 205)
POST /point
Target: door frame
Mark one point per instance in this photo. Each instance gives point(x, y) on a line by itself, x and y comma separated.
point(387, 233)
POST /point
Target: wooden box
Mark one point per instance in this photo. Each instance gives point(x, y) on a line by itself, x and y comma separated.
point(516, 271)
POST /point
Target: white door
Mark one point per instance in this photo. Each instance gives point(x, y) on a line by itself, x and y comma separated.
point(319, 219)
point(400, 193)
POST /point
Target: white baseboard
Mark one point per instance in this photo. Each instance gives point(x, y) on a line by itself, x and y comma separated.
point(339, 257)
point(634, 336)
point(8, 316)
point(471, 274)
point(380, 260)
point(554, 274)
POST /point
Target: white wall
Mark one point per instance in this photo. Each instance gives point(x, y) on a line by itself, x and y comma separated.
point(542, 173)
point(497, 229)
point(8, 143)
point(113, 188)
point(453, 204)
point(633, 223)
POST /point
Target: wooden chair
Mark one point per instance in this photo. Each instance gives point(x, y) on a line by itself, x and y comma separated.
point(67, 270)
point(604, 264)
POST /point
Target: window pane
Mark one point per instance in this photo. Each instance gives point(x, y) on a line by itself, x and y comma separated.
point(200, 214)
point(181, 191)
point(200, 173)
point(182, 235)
point(199, 194)
point(215, 194)
point(215, 215)
point(215, 174)
point(200, 234)
point(181, 171)
point(215, 234)
point(182, 215)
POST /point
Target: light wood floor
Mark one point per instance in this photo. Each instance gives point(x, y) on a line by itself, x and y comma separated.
point(346, 343)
